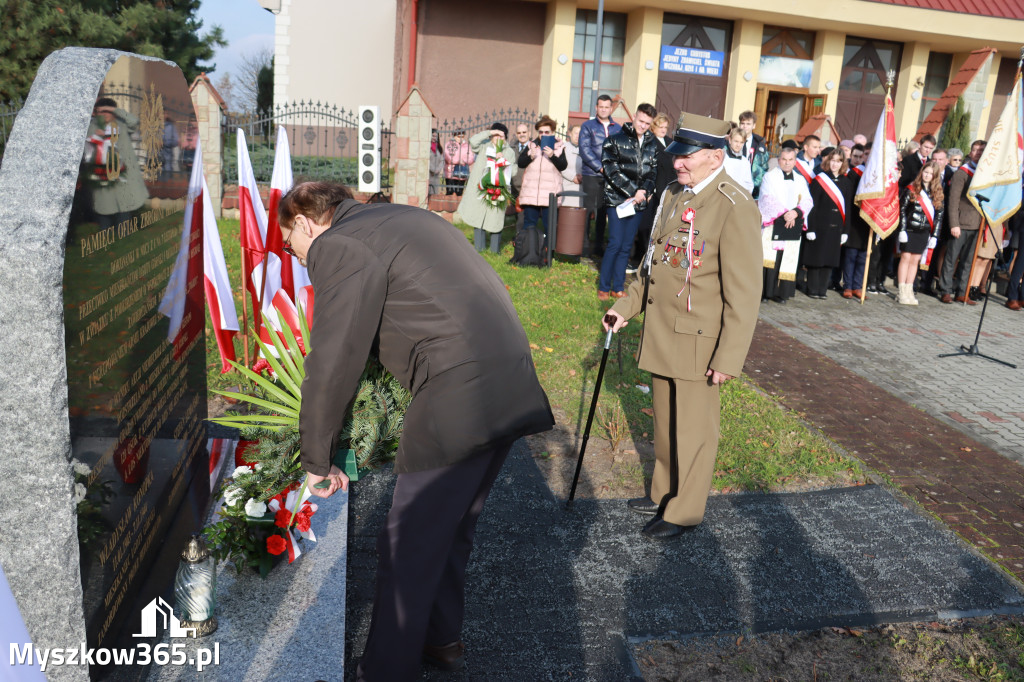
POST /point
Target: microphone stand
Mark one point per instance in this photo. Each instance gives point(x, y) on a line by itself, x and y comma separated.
point(973, 349)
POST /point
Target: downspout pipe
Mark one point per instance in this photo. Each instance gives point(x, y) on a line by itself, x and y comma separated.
point(414, 29)
point(596, 83)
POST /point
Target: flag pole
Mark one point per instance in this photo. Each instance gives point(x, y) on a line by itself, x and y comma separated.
point(245, 322)
point(867, 266)
point(890, 80)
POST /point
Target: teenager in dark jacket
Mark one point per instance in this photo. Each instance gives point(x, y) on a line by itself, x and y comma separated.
point(920, 217)
point(629, 163)
point(832, 193)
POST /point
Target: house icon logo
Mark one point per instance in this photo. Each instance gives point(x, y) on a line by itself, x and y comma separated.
point(158, 611)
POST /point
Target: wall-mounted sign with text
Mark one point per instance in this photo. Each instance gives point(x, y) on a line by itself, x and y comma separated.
point(692, 60)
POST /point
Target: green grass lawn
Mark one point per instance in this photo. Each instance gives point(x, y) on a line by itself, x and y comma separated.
point(763, 446)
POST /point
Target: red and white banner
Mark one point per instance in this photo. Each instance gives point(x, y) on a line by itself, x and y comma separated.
point(293, 273)
point(257, 252)
point(183, 301)
point(878, 190)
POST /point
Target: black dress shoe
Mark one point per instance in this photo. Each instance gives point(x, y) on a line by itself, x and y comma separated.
point(449, 657)
point(642, 505)
point(660, 529)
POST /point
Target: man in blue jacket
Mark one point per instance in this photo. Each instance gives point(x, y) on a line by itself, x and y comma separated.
point(592, 137)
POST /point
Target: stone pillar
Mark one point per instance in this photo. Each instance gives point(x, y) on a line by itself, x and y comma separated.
point(556, 77)
point(906, 98)
point(209, 118)
point(411, 151)
point(643, 50)
point(828, 69)
point(744, 58)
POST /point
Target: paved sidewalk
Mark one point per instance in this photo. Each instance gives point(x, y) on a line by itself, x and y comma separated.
point(948, 431)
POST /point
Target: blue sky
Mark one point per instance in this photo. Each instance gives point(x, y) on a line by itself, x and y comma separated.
point(247, 27)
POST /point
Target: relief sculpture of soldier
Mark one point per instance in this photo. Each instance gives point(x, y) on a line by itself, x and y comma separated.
point(700, 292)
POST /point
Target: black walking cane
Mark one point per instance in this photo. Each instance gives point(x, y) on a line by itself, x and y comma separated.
point(610, 320)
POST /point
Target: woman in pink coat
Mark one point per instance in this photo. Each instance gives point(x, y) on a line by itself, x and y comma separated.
point(543, 161)
point(457, 159)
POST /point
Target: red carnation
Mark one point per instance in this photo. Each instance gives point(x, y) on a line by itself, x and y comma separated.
point(302, 519)
point(276, 545)
point(282, 518)
point(261, 365)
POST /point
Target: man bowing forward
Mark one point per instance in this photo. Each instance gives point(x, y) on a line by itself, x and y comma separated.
point(406, 283)
point(700, 291)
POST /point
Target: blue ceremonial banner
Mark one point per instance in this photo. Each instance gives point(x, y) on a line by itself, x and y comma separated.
point(692, 60)
point(998, 177)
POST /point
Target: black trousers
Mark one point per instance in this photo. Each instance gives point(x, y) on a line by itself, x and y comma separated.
point(817, 280)
point(958, 258)
point(593, 186)
point(423, 550)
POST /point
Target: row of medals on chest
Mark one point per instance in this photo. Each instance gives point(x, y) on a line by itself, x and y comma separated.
point(675, 253)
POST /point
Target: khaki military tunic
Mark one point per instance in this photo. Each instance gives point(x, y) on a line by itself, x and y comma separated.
point(680, 343)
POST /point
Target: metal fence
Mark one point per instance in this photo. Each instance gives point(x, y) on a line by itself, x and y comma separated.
point(322, 139)
point(8, 112)
point(447, 129)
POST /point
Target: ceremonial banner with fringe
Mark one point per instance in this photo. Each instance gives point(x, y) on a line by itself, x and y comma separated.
point(998, 176)
point(878, 190)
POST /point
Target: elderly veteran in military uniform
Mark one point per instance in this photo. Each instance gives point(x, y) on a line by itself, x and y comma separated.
point(700, 294)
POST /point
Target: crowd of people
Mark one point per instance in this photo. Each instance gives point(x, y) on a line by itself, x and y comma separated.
point(814, 238)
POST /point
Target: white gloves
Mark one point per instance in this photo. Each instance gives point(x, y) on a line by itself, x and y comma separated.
point(932, 242)
point(903, 237)
point(843, 239)
point(811, 236)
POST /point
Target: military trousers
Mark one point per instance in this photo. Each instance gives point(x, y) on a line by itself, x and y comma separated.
point(686, 423)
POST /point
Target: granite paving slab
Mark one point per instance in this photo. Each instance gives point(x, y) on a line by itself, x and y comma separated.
point(555, 594)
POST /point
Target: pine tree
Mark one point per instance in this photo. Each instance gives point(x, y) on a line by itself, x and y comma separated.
point(956, 130)
point(32, 29)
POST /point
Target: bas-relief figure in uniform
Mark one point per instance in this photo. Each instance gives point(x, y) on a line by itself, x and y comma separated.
point(700, 299)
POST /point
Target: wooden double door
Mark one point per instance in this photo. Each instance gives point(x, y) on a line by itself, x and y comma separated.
point(775, 103)
point(692, 93)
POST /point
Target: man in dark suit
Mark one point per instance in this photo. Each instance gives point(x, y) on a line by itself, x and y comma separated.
point(964, 223)
point(403, 281)
point(913, 163)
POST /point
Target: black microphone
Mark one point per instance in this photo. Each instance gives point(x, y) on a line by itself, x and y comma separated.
point(981, 198)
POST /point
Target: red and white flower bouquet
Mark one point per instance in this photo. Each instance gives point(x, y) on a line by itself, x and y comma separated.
point(496, 181)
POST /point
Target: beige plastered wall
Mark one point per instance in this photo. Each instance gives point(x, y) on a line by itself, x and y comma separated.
point(335, 53)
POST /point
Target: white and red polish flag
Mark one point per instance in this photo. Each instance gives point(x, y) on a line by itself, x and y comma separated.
point(293, 273)
point(260, 247)
point(878, 191)
point(183, 301)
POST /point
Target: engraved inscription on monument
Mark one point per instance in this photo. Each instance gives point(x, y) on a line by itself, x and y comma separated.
point(134, 322)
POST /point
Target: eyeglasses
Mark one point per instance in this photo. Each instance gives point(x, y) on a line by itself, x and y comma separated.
point(287, 246)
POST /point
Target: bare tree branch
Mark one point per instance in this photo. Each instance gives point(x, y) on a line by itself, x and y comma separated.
point(247, 77)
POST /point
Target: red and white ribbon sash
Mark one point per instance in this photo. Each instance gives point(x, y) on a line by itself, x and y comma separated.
point(832, 190)
point(806, 169)
point(928, 208)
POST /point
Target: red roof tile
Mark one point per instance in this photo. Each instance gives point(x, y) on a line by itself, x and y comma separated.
point(957, 84)
point(1006, 9)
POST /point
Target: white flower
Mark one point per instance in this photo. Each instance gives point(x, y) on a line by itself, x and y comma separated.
point(80, 468)
point(232, 495)
point(255, 509)
point(258, 466)
point(241, 470)
point(79, 492)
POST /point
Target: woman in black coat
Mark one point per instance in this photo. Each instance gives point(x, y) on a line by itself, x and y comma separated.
point(827, 223)
point(920, 215)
